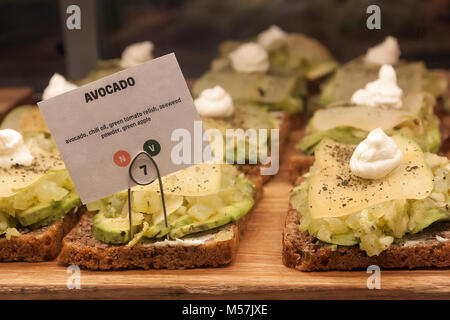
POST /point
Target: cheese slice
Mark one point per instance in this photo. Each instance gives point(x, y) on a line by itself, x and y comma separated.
point(360, 117)
point(25, 119)
point(368, 118)
point(198, 180)
point(17, 179)
point(334, 191)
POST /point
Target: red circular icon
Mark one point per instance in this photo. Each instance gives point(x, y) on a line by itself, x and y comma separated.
point(122, 158)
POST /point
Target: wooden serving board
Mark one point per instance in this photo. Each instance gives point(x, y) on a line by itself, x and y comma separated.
point(257, 272)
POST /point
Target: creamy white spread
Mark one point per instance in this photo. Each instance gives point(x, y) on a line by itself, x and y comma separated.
point(250, 57)
point(56, 86)
point(13, 150)
point(186, 241)
point(376, 156)
point(215, 103)
point(136, 53)
point(272, 38)
point(383, 92)
point(386, 52)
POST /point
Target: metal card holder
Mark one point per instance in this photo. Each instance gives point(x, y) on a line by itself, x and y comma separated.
point(130, 173)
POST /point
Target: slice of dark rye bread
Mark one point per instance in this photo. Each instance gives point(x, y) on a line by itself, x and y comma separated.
point(429, 248)
point(284, 121)
point(217, 247)
point(42, 244)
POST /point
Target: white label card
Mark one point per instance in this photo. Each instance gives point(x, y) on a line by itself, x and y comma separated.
point(100, 127)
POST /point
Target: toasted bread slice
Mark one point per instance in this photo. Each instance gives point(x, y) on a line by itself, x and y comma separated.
point(42, 244)
point(209, 249)
point(429, 248)
point(285, 128)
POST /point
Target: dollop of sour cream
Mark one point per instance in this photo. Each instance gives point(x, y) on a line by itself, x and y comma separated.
point(214, 103)
point(383, 92)
point(137, 53)
point(386, 52)
point(271, 38)
point(13, 150)
point(56, 86)
point(376, 156)
point(250, 57)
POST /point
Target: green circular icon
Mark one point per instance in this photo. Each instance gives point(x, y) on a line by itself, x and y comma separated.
point(152, 147)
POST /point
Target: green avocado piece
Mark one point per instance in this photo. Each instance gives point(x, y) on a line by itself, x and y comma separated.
point(159, 229)
point(432, 216)
point(103, 233)
point(225, 215)
point(154, 230)
point(107, 230)
point(37, 213)
point(432, 139)
point(116, 229)
point(45, 213)
point(67, 203)
point(217, 221)
point(177, 223)
point(344, 239)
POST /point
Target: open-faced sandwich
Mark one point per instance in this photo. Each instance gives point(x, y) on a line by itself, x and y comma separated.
point(383, 202)
point(354, 75)
point(132, 55)
point(207, 207)
point(38, 202)
point(245, 128)
point(378, 104)
point(271, 70)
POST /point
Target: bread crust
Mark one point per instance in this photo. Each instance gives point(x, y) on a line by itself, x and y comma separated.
point(42, 244)
point(82, 249)
point(429, 248)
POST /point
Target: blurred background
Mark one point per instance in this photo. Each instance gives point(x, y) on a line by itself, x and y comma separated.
point(32, 49)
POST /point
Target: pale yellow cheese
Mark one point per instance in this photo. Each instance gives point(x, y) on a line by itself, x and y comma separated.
point(16, 179)
point(198, 180)
point(360, 117)
point(368, 118)
point(25, 119)
point(334, 191)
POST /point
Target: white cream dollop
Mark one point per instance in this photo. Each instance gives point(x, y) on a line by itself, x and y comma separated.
point(383, 92)
point(386, 52)
point(271, 38)
point(56, 86)
point(13, 150)
point(214, 102)
point(376, 156)
point(250, 57)
point(137, 53)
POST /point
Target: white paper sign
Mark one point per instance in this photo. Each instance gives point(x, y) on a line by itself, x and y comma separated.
point(100, 127)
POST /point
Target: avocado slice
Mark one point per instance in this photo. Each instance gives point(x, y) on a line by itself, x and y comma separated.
point(177, 223)
point(345, 239)
point(115, 230)
point(45, 213)
point(432, 216)
point(66, 204)
point(225, 215)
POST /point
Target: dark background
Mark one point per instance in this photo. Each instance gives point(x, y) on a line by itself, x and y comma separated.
point(31, 47)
